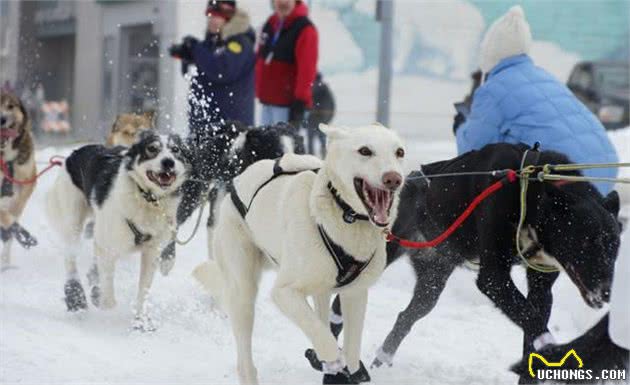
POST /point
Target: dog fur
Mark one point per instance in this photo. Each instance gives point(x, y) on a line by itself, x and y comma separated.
point(139, 186)
point(16, 148)
point(564, 218)
point(281, 226)
point(127, 127)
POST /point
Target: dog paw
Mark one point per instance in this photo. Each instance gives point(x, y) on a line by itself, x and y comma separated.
point(312, 358)
point(143, 324)
point(382, 358)
point(75, 296)
point(342, 377)
point(95, 296)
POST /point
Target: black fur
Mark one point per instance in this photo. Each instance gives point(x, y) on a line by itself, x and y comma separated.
point(93, 169)
point(213, 161)
point(574, 223)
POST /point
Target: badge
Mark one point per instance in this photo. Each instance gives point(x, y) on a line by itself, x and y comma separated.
point(235, 47)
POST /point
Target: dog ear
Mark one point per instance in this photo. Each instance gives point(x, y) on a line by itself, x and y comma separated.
point(333, 132)
point(115, 125)
point(611, 203)
point(151, 116)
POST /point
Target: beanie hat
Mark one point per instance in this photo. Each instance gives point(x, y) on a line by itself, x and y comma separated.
point(223, 8)
point(510, 35)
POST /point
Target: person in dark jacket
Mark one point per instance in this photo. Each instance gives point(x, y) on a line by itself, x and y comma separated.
point(223, 88)
point(286, 63)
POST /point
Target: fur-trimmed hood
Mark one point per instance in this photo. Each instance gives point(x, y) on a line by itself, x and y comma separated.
point(510, 35)
point(238, 24)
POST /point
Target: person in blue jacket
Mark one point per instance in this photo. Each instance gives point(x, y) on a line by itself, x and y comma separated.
point(520, 102)
point(223, 87)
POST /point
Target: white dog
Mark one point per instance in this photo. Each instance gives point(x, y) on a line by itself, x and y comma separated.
point(320, 224)
point(133, 194)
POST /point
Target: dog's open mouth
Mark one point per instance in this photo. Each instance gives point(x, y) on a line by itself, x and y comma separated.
point(163, 179)
point(593, 298)
point(376, 201)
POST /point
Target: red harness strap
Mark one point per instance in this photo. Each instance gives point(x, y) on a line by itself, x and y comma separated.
point(54, 161)
point(509, 178)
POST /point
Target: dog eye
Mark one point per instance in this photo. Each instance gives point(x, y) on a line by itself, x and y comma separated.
point(400, 153)
point(365, 151)
point(11, 106)
point(152, 149)
point(175, 150)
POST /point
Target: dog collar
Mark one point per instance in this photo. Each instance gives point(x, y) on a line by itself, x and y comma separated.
point(148, 196)
point(349, 215)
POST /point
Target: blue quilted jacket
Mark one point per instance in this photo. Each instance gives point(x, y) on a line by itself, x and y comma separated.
point(520, 102)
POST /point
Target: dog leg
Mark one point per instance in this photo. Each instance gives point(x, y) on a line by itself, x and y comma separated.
point(148, 265)
point(353, 305)
point(215, 196)
point(539, 296)
point(294, 305)
point(431, 277)
point(106, 263)
point(73, 290)
point(5, 257)
point(322, 304)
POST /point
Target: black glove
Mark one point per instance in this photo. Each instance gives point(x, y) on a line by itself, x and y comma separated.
point(180, 51)
point(296, 113)
point(457, 121)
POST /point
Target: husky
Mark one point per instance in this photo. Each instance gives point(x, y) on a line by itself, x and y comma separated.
point(319, 224)
point(127, 127)
point(570, 226)
point(133, 195)
point(17, 155)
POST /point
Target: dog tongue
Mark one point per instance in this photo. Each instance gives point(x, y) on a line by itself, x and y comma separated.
point(381, 206)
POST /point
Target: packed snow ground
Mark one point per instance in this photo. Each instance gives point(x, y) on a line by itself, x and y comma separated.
point(465, 340)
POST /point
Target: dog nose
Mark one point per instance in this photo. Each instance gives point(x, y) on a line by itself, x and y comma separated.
point(392, 180)
point(168, 163)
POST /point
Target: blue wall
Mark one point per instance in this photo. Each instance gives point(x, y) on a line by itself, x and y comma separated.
point(595, 29)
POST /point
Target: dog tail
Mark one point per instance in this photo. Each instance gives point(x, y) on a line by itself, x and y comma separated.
point(209, 276)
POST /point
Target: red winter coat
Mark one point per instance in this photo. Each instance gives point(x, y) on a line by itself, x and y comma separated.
point(286, 63)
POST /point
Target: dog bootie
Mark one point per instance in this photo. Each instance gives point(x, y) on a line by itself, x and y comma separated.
point(361, 375)
point(75, 296)
point(382, 358)
point(22, 236)
point(341, 377)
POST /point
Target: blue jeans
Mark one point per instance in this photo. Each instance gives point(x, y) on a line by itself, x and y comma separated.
point(273, 114)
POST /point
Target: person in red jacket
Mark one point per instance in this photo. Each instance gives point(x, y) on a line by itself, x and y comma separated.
point(286, 63)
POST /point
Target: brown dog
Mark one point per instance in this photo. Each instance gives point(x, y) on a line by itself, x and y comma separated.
point(127, 127)
point(18, 161)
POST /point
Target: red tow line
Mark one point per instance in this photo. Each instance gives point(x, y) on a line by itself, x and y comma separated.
point(511, 177)
point(54, 160)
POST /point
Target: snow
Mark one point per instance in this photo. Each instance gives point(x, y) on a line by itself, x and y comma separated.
point(464, 340)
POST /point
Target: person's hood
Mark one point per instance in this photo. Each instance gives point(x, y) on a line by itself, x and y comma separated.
point(300, 10)
point(508, 36)
point(238, 24)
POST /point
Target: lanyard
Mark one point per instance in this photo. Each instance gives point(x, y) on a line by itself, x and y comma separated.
point(274, 40)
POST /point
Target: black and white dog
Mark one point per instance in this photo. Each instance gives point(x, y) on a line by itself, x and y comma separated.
point(568, 225)
point(133, 195)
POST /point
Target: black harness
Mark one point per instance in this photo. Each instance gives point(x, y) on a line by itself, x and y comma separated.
point(139, 236)
point(348, 268)
point(7, 187)
point(531, 158)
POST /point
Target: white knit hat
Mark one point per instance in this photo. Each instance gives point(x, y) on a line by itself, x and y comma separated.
point(508, 36)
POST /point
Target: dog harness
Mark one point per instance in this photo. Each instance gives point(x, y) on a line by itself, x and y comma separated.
point(139, 236)
point(7, 187)
point(348, 267)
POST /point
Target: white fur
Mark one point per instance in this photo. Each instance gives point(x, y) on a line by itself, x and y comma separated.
point(508, 36)
point(67, 209)
point(282, 223)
